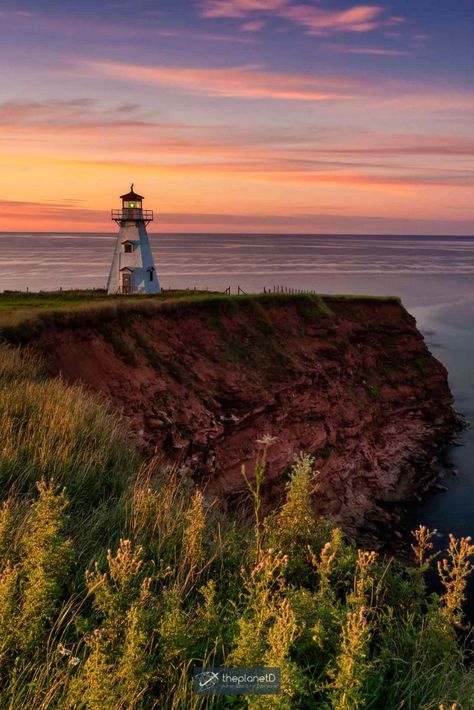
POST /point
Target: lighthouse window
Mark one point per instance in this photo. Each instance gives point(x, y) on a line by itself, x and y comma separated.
point(128, 248)
point(150, 274)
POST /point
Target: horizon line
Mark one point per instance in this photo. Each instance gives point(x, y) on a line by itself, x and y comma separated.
point(259, 233)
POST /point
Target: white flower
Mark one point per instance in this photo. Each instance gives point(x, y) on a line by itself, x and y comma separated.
point(267, 440)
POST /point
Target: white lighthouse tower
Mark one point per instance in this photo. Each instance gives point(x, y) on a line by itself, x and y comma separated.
point(132, 269)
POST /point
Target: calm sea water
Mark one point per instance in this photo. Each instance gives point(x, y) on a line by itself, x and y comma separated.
point(421, 269)
point(433, 275)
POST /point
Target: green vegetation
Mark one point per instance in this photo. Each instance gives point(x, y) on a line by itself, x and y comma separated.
point(123, 349)
point(24, 315)
point(117, 577)
point(371, 390)
point(420, 364)
point(155, 359)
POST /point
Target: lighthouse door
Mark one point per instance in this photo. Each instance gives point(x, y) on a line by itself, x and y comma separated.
point(126, 283)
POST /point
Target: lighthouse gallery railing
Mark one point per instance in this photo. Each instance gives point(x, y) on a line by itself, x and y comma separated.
point(129, 213)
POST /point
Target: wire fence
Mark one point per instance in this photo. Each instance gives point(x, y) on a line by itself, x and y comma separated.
point(230, 290)
point(239, 291)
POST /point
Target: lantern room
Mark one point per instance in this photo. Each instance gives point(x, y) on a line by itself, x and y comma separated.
point(131, 201)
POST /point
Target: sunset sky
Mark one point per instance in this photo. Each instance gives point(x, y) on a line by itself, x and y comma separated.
point(239, 115)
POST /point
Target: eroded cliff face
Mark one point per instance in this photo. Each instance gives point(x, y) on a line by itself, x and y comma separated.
point(348, 380)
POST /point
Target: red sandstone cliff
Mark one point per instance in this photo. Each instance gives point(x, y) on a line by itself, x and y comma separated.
point(350, 381)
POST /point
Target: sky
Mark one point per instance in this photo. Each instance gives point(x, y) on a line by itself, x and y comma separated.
point(292, 116)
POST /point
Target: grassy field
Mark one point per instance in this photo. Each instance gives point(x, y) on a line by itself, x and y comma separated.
point(117, 577)
point(23, 315)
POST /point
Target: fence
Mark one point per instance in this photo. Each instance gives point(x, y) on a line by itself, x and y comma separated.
point(239, 291)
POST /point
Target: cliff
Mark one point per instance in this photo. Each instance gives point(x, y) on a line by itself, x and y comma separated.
point(349, 380)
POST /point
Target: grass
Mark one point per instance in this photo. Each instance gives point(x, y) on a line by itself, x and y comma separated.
point(362, 297)
point(117, 577)
point(123, 349)
point(25, 315)
point(158, 361)
point(64, 434)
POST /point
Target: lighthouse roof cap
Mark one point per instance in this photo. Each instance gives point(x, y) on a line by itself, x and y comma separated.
point(132, 195)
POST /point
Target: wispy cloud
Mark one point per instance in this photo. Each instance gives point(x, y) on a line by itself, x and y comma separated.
point(239, 8)
point(253, 26)
point(326, 219)
point(15, 14)
point(146, 27)
point(315, 20)
point(51, 127)
point(52, 216)
point(369, 51)
point(408, 145)
point(75, 113)
point(420, 37)
point(247, 82)
point(186, 34)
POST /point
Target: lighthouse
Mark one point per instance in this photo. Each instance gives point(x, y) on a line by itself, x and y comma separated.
point(132, 269)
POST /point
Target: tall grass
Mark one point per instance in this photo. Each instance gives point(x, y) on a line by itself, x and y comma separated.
point(117, 577)
point(60, 431)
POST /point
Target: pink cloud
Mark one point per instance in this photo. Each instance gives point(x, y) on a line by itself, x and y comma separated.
point(204, 36)
point(254, 26)
point(239, 8)
point(248, 82)
point(315, 20)
point(376, 51)
point(76, 113)
point(327, 219)
point(360, 18)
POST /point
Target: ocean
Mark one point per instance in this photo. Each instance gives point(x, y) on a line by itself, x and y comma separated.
point(434, 276)
point(422, 270)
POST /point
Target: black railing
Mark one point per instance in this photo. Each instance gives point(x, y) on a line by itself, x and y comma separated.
point(130, 213)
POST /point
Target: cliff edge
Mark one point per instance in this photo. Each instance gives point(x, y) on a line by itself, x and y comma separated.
point(349, 380)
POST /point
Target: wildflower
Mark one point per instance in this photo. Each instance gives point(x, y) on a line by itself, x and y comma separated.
point(62, 650)
point(267, 440)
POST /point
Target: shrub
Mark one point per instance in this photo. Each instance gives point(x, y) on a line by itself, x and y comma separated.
point(46, 564)
point(117, 669)
point(293, 527)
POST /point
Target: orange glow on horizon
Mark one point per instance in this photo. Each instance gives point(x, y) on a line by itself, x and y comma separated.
point(64, 162)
